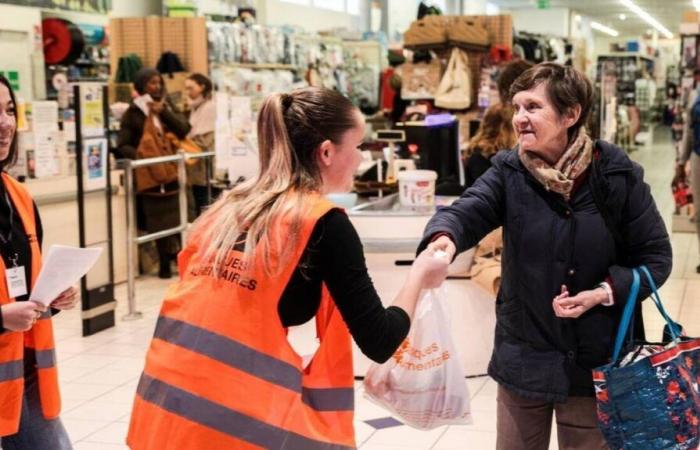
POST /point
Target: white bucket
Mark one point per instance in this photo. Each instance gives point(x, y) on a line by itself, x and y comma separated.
point(417, 187)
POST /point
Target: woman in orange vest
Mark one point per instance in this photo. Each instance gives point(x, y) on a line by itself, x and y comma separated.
point(29, 398)
point(270, 254)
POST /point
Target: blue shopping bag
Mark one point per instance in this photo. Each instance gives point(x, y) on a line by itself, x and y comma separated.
point(648, 398)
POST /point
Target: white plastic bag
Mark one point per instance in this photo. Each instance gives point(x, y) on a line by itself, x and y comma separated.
point(423, 383)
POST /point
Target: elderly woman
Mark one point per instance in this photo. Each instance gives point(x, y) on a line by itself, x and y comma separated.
point(576, 216)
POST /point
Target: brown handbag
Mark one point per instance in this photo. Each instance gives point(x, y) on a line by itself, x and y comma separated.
point(430, 30)
point(467, 30)
point(153, 144)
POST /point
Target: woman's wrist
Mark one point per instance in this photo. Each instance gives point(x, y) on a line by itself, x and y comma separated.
point(605, 294)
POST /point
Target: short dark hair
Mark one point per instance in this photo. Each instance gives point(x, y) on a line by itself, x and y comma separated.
point(12, 154)
point(508, 74)
point(204, 82)
point(566, 88)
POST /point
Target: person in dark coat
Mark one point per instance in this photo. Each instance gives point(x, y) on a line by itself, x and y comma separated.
point(158, 208)
point(576, 216)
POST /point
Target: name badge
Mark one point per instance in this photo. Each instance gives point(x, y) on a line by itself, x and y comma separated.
point(16, 281)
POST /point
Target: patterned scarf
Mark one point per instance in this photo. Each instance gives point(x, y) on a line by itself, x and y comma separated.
point(560, 177)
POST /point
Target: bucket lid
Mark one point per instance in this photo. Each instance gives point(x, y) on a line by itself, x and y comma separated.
point(417, 175)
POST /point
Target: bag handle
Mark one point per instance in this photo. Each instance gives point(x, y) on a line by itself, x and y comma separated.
point(628, 313)
point(673, 328)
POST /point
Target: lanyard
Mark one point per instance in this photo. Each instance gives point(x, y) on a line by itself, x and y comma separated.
point(6, 240)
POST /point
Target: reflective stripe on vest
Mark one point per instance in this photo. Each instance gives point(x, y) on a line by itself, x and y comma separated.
point(224, 420)
point(220, 359)
point(11, 370)
point(246, 359)
point(39, 338)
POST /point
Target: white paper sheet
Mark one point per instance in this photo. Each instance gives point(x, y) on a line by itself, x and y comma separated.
point(63, 267)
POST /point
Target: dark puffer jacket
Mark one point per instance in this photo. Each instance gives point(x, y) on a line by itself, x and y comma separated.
point(549, 242)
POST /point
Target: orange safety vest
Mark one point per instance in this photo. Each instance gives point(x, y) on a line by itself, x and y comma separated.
point(220, 373)
point(39, 337)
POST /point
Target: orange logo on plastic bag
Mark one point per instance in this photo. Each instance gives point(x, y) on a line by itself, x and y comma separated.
point(403, 348)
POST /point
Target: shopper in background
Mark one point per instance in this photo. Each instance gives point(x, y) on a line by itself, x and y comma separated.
point(29, 396)
point(495, 133)
point(690, 150)
point(495, 130)
point(567, 275)
point(157, 208)
point(270, 254)
point(202, 120)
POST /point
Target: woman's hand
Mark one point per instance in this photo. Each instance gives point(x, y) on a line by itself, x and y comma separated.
point(445, 244)
point(430, 269)
point(67, 300)
point(20, 316)
point(573, 307)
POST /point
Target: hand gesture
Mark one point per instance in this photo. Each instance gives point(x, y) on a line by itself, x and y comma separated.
point(67, 300)
point(573, 307)
point(21, 316)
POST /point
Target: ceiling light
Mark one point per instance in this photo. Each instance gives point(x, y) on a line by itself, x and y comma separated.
point(647, 18)
point(624, 17)
point(602, 28)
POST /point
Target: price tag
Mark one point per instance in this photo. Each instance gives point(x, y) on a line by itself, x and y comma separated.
point(16, 282)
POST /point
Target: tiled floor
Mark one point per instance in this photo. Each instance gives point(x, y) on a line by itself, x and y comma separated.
point(98, 374)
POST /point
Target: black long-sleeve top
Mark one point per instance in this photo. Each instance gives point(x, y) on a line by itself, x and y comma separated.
point(18, 243)
point(334, 256)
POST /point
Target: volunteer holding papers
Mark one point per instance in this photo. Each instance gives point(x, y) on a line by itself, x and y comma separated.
point(29, 398)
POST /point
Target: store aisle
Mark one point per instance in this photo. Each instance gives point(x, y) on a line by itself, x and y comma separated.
point(98, 374)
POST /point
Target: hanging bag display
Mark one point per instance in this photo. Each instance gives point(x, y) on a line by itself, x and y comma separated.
point(648, 398)
point(454, 91)
point(419, 80)
point(423, 383)
point(153, 144)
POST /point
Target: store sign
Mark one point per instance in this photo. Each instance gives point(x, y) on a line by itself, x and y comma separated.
point(13, 77)
point(543, 4)
point(90, 6)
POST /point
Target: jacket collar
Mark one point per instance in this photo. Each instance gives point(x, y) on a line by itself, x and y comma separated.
point(612, 159)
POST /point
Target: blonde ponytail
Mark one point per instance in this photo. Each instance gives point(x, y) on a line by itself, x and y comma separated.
point(290, 129)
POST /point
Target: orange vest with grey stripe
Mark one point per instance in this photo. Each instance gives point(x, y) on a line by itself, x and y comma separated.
point(39, 338)
point(220, 372)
